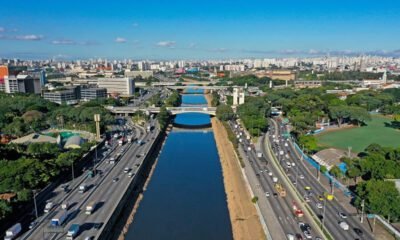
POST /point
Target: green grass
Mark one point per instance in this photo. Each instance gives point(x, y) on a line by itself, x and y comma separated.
point(360, 137)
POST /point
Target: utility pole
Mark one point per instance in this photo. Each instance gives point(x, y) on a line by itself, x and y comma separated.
point(362, 210)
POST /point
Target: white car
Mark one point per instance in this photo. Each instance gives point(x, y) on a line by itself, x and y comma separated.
point(267, 194)
point(301, 177)
point(319, 205)
point(342, 215)
point(290, 236)
point(344, 225)
point(270, 174)
point(307, 234)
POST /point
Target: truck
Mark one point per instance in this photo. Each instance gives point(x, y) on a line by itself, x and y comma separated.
point(275, 179)
point(13, 231)
point(72, 232)
point(90, 208)
point(297, 211)
point(59, 219)
point(82, 188)
point(48, 207)
point(121, 141)
point(281, 191)
point(129, 139)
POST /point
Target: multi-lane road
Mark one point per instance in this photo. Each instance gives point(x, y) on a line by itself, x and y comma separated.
point(302, 178)
point(282, 207)
point(106, 189)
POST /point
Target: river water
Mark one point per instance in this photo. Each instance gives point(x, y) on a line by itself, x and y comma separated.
point(185, 198)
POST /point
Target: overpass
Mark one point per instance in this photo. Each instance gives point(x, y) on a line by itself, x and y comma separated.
point(198, 87)
point(171, 110)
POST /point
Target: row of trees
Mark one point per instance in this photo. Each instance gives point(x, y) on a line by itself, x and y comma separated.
point(21, 114)
point(25, 168)
point(375, 167)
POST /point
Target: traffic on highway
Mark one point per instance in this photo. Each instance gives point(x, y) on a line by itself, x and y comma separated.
point(82, 207)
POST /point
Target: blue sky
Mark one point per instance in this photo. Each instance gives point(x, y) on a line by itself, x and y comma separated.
point(197, 29)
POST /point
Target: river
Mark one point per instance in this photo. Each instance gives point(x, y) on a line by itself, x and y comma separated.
point(185, 198)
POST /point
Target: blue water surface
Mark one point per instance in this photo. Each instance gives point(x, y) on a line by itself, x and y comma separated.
point(185, 198)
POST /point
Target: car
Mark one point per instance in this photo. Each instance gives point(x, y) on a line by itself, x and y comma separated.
point(342, 215)
point(97, 226)
point(115, 179)
point(275, 194)
point(301, 226)
point(344, 225)
point(89, 238)
point(32, 224)
point(270, 174)
point(321, 198)
point(290, 236)
point(307, 227)
point(126, 170)
point(307, 199)
point(299, 237)
point(318, 238)
point(358, 231)
point(319, 205)
point(301, 177)
point(307, 234)
point(267, 194)
point(257, 174)
point(307, 188)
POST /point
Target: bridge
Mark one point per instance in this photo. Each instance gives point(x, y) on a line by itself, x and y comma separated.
point(198, 87)
point(171, 110)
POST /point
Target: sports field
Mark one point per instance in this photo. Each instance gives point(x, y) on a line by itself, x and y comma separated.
point(360, 137)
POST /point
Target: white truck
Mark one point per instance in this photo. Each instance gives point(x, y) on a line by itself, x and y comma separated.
point(90, 208)
point(48, 207)
point(72, 232)
point(59, 219)
point(129, 139)
point(13, 231)
point(82, 188)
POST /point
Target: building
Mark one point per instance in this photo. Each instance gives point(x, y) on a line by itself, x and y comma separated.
point(118, 86)
point(3, 74)
point(88, 94)
point(238, 96)
point(68, 96)
point(143, 74)
point(22, 83)
point(308, 84)
point(73, 142)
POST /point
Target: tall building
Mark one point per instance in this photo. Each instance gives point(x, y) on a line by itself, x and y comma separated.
point(88, 94)
point(68, 96)
point(118, 86)
point(22, 83)
point(3, 74)
point(238, 96)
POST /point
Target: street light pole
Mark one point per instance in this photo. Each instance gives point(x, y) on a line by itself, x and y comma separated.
point(323, 215)
point(34, 202)
point(72, 168)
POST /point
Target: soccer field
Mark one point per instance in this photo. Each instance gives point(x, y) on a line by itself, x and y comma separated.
point(360, 137)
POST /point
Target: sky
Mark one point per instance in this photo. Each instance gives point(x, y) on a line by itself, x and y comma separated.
point(161, 30)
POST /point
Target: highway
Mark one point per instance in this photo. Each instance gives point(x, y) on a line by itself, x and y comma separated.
point(304, 178)
point(281, 206)
point(103, 189)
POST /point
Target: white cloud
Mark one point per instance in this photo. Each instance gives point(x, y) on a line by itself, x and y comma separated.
point(135, 24)
point(120, 40)
point(31, 37)
point(169, 44)
point(192, 45)
point(63, 42)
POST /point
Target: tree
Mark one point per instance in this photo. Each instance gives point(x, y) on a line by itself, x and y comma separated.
point(359, 115)
point(224, 112)
point(381, 197)
point(339, 113)
point(163, 117)
point(309, 142)
point(336, 172)
point(5, 209)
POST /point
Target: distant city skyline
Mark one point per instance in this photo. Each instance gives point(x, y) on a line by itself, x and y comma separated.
point(202, 30)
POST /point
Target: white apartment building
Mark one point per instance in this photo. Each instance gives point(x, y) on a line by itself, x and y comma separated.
point(120, 86)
